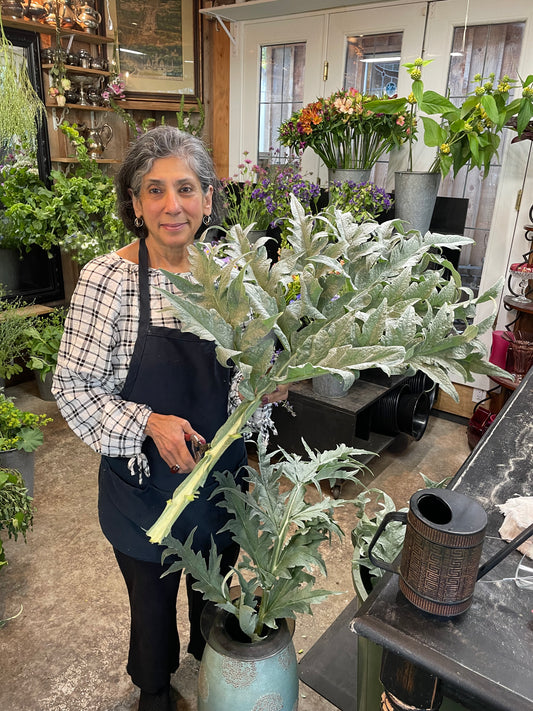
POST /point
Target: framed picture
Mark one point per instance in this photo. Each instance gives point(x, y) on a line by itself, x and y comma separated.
point(160, 50)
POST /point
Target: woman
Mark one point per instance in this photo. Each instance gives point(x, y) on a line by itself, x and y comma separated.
point(139, 391)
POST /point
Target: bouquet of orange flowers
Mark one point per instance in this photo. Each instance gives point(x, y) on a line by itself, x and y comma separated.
point(344, 132)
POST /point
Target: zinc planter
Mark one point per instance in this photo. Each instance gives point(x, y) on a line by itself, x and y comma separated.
point(21, 461)
point(344, 175)
point(247, 676)
point(415, 195)
point(328, 385)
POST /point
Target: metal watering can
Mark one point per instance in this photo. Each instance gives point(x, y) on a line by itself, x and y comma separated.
point(441, 552)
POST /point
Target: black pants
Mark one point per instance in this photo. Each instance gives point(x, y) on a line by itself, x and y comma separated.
point(154, 640)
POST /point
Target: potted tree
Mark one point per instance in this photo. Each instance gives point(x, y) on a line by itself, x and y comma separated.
point(20, 435)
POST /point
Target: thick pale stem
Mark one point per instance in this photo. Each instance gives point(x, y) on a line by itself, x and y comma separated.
point(186, 491)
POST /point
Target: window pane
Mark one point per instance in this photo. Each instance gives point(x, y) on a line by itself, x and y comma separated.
point(483, 49)
point(372, 66)
point(281, 92)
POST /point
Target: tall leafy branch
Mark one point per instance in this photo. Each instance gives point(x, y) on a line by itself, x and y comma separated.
point(370, 297)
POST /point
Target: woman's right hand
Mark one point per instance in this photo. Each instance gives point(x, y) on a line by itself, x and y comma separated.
point(169, 434)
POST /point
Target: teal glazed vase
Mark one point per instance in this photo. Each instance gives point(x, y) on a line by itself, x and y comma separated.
point(247, 676)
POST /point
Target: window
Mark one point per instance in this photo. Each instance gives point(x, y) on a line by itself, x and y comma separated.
point(281, 93)
point(483, 49)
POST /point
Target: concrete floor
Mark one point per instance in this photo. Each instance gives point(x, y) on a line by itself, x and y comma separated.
point(67, 649)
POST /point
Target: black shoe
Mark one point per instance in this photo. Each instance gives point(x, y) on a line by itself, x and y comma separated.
point(156, 702)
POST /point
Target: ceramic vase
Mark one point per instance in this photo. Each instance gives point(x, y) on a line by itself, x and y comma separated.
point(247, 676)
point(415, 195)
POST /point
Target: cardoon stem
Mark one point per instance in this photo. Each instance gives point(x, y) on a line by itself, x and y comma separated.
point(186, 491)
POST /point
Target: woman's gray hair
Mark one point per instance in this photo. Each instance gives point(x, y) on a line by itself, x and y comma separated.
point(162, 142)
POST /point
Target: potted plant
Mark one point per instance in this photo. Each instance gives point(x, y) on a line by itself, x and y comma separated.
point(366, 201)
point(13, 324)
point(279, 527)
point(76, 211)
point(16, 507)
point(344, 132)
point(43, 339)
point(20, 435)
point(16, 514)
point(241, 208)
point(465, 135)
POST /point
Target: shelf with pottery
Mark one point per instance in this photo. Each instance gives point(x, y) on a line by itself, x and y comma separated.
point(72, 69)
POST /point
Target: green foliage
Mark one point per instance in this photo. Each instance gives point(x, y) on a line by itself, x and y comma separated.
point(13, 325)
point(16, 507)
point(19, 429)
point(468, 134)
point(76, 212)
point(21, 109)
point(370, 297)
point(391, 539)
point(43, 339)
point(279, 531)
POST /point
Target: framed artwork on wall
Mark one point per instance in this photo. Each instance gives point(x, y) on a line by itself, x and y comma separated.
point(160, 50)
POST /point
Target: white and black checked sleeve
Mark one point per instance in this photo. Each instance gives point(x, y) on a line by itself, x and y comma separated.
point(94, 357)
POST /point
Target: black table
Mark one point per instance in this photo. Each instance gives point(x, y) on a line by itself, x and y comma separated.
point(484, 657)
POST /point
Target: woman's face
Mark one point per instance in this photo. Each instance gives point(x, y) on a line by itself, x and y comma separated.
point(171, 202)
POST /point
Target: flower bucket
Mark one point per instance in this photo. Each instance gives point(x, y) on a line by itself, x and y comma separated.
point(44, 386)
point(21, 461)
point(241, 675)
point(344, 175)
point(415, 197)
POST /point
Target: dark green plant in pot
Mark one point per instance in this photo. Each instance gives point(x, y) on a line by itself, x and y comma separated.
point(13, 324)
point(43, 338)
point(16, 508)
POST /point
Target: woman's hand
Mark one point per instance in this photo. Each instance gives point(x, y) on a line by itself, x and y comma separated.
point(170, 434)
point(277, 395)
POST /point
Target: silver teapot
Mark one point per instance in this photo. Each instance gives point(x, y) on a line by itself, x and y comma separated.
point(97, 138)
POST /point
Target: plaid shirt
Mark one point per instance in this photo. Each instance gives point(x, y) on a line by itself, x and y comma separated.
point(96, 351)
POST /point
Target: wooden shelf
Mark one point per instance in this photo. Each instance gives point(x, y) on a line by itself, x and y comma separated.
point(82, 107)
point(66, 159)
point(72, 69)
point(43, 28)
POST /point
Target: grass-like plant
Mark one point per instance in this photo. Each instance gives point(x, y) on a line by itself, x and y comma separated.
point(370, 297)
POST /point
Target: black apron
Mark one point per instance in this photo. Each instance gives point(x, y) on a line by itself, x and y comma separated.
point(175, 373)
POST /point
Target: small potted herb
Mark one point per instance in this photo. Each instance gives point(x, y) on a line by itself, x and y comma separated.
point(43, 338)
point(13, 324)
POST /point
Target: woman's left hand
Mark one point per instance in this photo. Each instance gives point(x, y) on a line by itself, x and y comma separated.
point(277, 395)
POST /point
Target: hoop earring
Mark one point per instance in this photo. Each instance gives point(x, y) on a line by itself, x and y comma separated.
point(138, 222)
point(206, 219)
